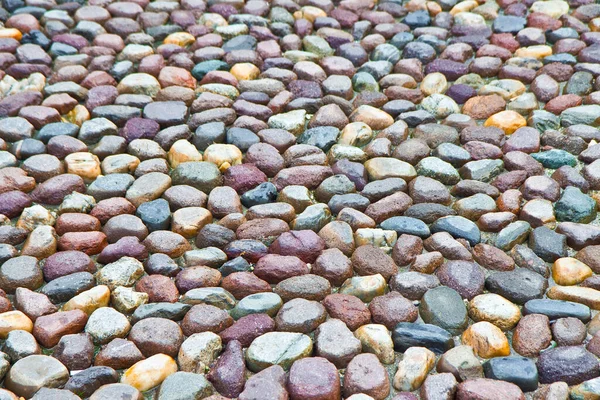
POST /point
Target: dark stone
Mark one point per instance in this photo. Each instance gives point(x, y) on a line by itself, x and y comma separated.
point(407, 334)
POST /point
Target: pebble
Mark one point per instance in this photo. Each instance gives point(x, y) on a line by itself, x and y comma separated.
point(366, 375)
point(277, 348)
point(486, 339)
point(249, 170)
point(461, 362)
point(413, 368)
point(444, 307)
point(376, 339)
point(34, 372)
point(495, 309)
point(313, 377)
point(335, 342)
point(150, 372)
point(432, 337)
point(569, 364)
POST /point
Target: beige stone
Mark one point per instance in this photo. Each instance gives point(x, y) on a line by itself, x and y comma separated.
point(90, 300)
point(376, 339)
point(496, 309)
point(189, 220)
point(223, 155)
point(413, 369)
point(182, 151)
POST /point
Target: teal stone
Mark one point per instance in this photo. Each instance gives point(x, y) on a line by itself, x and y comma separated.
point(201, 69)
point(575, 206)
point(588, 115)
point(364, 82)
point(513, 234)
point(543, 120)
point(555, 158)
point(259, 303)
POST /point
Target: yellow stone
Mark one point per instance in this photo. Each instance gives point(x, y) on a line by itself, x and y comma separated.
point(507, 88)
point(464, 6)
point(223, 155)
point(188, 221)
point(413, 369)
point(182, 39)
point(212, 20)
point(365, 288)
point(584, 295)
point(90, 300)
point(12, 321)
point(553, 8)
point(377, 119)
point(198, 351)
point(538, 51)
point(78, 115)
point(376, 339)
point(388, 167)
point(433, 8)
point(486, 339)
point(434, 83)
point(245, 71)
point(35, 216)
point(10, 33)
point(468, 18)
point(416, 5)
point(508, 120)
point(356, 134)
point(496, 309)
point(126, 299)
point(594, 25)
point(86, 165)
point(375, 237)
point(569, 271)
point(403, 80)
point(310, 13)
point(182, 151)
point(149, 373)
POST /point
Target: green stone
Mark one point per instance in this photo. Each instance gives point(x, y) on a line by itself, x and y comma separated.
point(587, 115)
point(443, 306)
point(317, 45)
point(280, 14)
point(513, 234)
point(214, 296)
point(482, 170)
point(314, 218)
point(220, 89)
point(204, 67)
point(586, 390)
point(299, 55)
point(364, 82)
point(555, 158)
point(259, 303)
point(365, 288)
point(543, 121)
point(184, 385)
point(439, 170)
point(277, 348)
point(575, 206)
point(231, 31)
point(202, 175)
point(292, 121)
